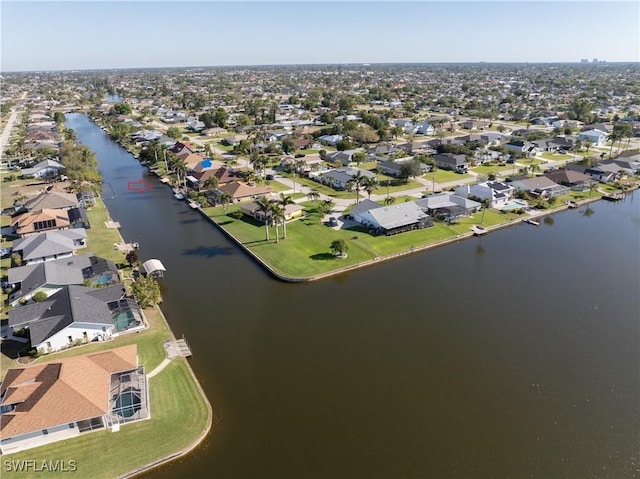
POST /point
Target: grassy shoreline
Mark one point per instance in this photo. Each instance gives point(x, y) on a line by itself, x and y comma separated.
point(305, 256)
point(178, 403)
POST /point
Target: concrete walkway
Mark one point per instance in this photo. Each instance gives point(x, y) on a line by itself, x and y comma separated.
point(159, 368)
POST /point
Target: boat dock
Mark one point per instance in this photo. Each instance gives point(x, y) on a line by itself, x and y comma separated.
point(177, 348)
point(478, 230)
point(531, 222)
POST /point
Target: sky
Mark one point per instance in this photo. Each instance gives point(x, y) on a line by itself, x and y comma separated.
point(79, 35)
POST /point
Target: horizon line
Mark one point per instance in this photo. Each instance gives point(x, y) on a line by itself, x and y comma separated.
point(61, 70)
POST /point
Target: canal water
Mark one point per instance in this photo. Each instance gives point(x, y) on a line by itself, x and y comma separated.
point(512, 355)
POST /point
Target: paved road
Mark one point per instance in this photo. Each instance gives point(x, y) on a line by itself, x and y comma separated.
point(6, 133)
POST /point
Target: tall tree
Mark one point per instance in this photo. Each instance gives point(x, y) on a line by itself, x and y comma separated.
point(264, 207)
point(284, 202)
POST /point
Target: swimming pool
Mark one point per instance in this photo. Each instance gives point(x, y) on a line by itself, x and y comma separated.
point(104, 278)
point(514, 205)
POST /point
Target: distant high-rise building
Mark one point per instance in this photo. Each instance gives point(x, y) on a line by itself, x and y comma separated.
point(584, 60)
point(595, 60)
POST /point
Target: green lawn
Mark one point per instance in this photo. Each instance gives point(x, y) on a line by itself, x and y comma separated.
point(106, 454)
point(222, 146)
point(150, 345)
point(557, 157)
point(445, 176)
point(306, 251)
point(100, 239)
point(530, 161)
point(486, 169)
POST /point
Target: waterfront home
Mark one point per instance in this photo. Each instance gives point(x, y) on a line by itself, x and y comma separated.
point(630, 165)
point(49, 277)
point(50, 245)
point(61, 399)
point(571, 178)
point(181, 147)
point(292, 211)
point(449, 161)
point(596, 137)
point(52, 199)
point(603, 173)
point(75, 315)
point(362, 207)
point(540, 185)
point(497, 193)
point(394, 219)
point(35, 222)
point(240, 191)
point(44, 169)
point(338, 178)
point(448, 206)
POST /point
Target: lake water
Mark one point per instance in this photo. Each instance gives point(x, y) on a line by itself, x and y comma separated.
point(511, 355)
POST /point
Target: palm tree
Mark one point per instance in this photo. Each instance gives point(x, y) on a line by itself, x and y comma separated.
point(389, 200)
point(264, 207)
point(326, 206)
point(210, 183)
point(370, 184)
point(284, 201)
point(313, 195)
point(486, 203)
point(277, 213)
point(225, 199)
point(356, 182)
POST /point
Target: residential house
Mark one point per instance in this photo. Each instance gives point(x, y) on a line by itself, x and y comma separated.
point(362, 207)
point(497, 193)
point(540, 185)
point(44, 169)
point(77, 314)
point(571, 178)
point(522, 148)
point(338, 179)
point(448, 206)
point(50, 245)
point(345, 157)
point(35, 222)
point(52, 199)
point(51, 276)
point(394, 168)
point(449, 161)
point(475, 124)
point(331, 140)
point(596, 137)
point(395, 218)
point(239, 191)
point(292, 211)
point(61, 399)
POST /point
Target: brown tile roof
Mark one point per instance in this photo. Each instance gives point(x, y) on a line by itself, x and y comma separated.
point(26, 223)
point(238, 189)
point(63, 391)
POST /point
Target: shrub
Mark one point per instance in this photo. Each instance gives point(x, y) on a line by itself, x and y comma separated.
point(39, 296)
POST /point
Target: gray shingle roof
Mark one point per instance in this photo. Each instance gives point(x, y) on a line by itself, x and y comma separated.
point(49, 243)
point(395, 216)
point(71, 304)
point(51, 199)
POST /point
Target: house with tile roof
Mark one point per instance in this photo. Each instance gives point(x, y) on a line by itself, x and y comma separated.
point(77, 314)
point(62, 399)
point(35, 222)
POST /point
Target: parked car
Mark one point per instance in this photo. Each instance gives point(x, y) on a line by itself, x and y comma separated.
point(333, 221)
point(5, 252)
point(269, 177)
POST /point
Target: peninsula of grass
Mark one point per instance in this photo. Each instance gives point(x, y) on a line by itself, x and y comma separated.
point(179, 416)
point(306, 252)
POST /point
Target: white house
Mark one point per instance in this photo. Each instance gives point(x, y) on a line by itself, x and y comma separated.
point(596, 137)
point(499, 194)
point(77, 314)
point(44, 169)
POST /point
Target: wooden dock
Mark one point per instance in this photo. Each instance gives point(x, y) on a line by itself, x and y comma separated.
point(177, 348)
